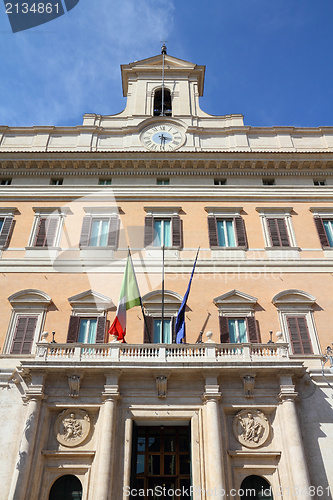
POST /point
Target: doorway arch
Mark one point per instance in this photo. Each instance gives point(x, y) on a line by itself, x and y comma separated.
point(256, 488)
point(67, 487)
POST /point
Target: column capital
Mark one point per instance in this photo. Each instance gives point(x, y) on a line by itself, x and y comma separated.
point(287, 393)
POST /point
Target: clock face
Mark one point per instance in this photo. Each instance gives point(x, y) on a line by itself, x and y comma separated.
point(162, 137)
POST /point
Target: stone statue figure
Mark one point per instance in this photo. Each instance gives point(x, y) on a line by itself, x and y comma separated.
point(252, 428)
point(72, 428)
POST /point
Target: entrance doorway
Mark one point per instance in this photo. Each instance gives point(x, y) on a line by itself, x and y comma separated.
point(161, 466)
point(66, 488)
point(256, 488)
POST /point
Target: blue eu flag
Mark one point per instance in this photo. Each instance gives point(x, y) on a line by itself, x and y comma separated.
point(180, 320)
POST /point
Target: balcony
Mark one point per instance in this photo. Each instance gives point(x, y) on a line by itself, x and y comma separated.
point(166, 354)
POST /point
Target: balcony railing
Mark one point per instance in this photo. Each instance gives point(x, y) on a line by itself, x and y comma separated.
point(169, 353)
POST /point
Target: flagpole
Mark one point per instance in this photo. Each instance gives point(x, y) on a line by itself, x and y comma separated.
point(162, 329)
point(142, 309)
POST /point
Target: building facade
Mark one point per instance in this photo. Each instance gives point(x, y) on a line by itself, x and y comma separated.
point(245, 405)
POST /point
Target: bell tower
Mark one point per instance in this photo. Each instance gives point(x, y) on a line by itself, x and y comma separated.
point(162, 80)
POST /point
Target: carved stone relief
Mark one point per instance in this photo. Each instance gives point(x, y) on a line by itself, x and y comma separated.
point(72, 427)
point(251, 428)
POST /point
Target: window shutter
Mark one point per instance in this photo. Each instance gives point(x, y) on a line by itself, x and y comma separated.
point(24, 335)
point(224, 329)
point(299, 335)
point(278, 232)
point(177, 231)
point(149, 230)
point(85, 231)
point(51, 232)
point(113, 231)
point(212, 231)
point(6, 231)
point(252, 329)
point(240, 232)
point(173, 331)
point(73, 329)
point(100, 330)
point(41, 232)
point(321, 232)
point(148, 335)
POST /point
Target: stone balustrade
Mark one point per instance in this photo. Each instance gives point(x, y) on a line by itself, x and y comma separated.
point(130, 353)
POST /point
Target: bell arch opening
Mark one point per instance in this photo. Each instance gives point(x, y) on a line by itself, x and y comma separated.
point(256, 488)
point(67, 487)
point(162, 108)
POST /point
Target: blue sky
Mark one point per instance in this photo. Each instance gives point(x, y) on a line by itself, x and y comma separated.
point(270, 60)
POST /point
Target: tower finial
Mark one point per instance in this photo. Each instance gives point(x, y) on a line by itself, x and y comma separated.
point(164, 49)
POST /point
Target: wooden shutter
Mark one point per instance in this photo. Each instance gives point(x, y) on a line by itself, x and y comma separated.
point(24, 335)
point(212, 231)
point(321, 232)
point(148, 334)
point(177, 238)
point(278, 232)
point(252, 329)
point(85, 231)
point(224, 329)
point(100, 330)
point(173, 331)
point(73, 329)
point(240, 232)
point(149, 230)
point(6, 231)
point(113, 231)
point(299, 335)
point(51, 231)
point(41, 232)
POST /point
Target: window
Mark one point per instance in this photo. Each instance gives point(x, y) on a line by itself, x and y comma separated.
point(236, 317)
point(268, 182)
point(56, 182)
point(277, 227)
point(27, 320)
point(100, 228)
point(319, 183)
point(226, 228)
point(6, 225)
point(163, 226)
point(66, 487)
point(162, 336)
point(295, 309)
point(104, 182)
point(323, 219)
point(152, 303)
point(87, 324)
point(162, 182)
point(47, 227)
point(6, 182)
point(165, 96)
point(220, 182)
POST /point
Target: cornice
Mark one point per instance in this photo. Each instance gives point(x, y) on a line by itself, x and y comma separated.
point(176, 163)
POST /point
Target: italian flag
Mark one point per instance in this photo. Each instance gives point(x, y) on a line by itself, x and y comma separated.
point(129, 297)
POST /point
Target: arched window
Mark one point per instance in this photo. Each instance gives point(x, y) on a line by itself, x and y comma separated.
point(66, 488)
point(256, 488)
point(167, 110)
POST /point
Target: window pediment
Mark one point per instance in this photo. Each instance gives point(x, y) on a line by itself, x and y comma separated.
point(29, 297)
point(90, 301)
point(293, 297)
point(235, 302)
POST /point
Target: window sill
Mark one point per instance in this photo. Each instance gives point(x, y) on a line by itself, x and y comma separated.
point(97, 253)
point(156, 253)
point(42, 252)
point(283, 253)
point(230, 253)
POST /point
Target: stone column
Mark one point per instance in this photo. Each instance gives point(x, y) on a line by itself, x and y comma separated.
point(300, 479)
point(213, 447)
point(106, 441)
point(21, 473)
